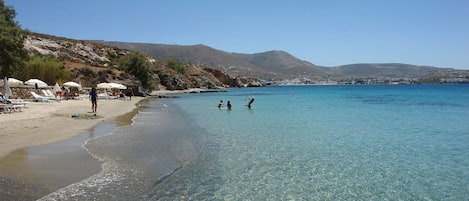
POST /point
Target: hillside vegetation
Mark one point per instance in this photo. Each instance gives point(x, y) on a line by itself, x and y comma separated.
point(92, 63)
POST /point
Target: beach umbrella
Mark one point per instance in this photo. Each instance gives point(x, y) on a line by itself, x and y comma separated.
point(103, 85)
point(117, 86)
point(12, 82)
point(56, 88)
point(6, 88)
point(34, 82)
point(72, 84)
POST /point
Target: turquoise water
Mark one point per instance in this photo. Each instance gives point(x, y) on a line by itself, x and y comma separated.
point(390, 142)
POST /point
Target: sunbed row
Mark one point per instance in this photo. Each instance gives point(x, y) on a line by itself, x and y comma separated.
point(11, 107)
point(49, 96)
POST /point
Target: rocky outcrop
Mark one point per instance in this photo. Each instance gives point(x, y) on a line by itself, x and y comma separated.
point(72, 50)
point(232, 81)
point(194, 77)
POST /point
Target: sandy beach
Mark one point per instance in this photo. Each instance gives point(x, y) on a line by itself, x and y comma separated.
point(43, 123)
point(40, 146)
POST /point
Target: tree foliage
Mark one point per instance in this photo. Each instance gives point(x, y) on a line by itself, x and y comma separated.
point(12, 53)
point(49, 69)
point(176, 65)
point(137, 65)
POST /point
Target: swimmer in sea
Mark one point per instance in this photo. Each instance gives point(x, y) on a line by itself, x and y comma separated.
point(228, 105)
point(251, 100)
point(220, 104)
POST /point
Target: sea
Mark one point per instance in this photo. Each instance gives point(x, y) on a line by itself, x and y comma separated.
point(340, 142)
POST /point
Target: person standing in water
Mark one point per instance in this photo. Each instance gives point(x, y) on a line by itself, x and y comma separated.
point(251, 100)
point(220, 104)
point(94, 99)
point(228, 105)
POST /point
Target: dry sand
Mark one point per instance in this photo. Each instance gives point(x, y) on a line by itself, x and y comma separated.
point(42, 123)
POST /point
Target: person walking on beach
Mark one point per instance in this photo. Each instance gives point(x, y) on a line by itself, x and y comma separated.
point(220, 104)
point(228, 105)
point(130, 92)
point(94, 99)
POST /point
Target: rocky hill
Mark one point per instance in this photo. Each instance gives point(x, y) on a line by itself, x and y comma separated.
point(92, 63)
point(272, 65)
point(279, 66)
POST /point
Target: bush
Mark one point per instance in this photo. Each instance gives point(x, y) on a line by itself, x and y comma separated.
point(176, 65)
point(49, 69)
point(137, 65)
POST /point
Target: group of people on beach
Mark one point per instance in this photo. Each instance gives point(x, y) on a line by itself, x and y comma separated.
point(228, 104)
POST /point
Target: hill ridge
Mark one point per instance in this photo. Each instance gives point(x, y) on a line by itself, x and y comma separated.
point(278, 65)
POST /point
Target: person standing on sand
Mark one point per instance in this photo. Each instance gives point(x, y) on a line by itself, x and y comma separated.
point(94, 99)
point(130, 92)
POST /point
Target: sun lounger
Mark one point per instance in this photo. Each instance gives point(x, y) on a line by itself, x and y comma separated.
point(17, 107)
point(5, 108)
point(106, 96)
point(77, 96)
point(8, 108)
point(18, 102)
point(38, 97)
point(48, 94)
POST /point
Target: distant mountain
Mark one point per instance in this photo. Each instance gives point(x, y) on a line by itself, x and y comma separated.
point(276, 65)
point(272, 65)
point(389, 70)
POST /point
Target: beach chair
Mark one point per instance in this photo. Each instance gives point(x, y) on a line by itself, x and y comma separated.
point(16, 107)
point(5, 108)
point(9, 108)
point(18, 102)
point(38, 97)
point(105, 96)
point(48, 94)
point(8, 105)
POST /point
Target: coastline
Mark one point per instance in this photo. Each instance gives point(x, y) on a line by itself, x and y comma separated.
point(44, 123)
point(42, 146)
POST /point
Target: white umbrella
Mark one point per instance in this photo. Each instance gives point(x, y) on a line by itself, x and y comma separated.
point(117, 86)
point(104, 85)
point(72, 84)
point(6, 88)
point(39, 83)
point(12, 82)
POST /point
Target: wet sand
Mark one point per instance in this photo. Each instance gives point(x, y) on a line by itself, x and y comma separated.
point(48, 141)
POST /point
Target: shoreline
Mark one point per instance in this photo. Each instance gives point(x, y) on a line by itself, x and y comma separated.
point(30, 168)
point(45, 123)
point(41, 147)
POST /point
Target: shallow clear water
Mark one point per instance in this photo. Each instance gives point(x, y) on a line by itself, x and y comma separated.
point(297, 143)
point(332, 142)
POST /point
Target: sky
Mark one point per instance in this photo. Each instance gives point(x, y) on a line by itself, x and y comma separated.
point(325, 33)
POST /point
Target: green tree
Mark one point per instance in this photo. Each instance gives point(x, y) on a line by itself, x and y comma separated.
point(176, 65)
point(137, 65)
point(12, 52)
point(47, 68)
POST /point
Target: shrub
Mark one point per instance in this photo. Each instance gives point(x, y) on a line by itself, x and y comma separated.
point(176, 65)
